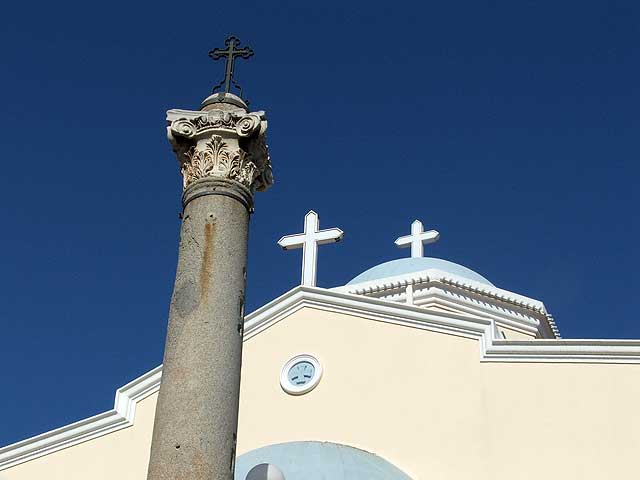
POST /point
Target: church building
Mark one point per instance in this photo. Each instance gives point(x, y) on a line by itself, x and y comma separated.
point(416, 369)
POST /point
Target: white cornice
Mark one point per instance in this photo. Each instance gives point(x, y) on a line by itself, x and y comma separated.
point(520, 321)
point(464, 324)
point(423, 278)
point(435, 275)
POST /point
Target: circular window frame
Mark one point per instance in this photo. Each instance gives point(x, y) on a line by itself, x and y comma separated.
point(292, 389)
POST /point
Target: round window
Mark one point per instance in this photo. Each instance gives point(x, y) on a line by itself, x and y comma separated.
point(300, 374)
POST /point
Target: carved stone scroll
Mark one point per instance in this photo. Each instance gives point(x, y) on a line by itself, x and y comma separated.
point(223, 144)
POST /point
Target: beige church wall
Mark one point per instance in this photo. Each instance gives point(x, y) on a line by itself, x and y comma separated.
point(422, 400)
point(510, 334)
point(122, 455)
point(426, 403)
point(569, 421)
point(394, 391)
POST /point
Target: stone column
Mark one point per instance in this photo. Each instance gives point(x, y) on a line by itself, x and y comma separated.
point(224, 159)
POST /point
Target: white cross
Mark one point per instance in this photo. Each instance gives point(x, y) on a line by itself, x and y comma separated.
point(417, 239)
point(309, 241)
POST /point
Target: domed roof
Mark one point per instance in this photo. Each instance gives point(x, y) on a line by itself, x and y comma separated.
point(319, 461)
point(410, 265)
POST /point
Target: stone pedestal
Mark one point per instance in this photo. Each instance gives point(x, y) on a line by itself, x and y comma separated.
point(224, 159)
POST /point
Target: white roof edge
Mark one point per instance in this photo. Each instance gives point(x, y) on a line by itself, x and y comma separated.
point(435, 275)
point(122, 415)
point(492, 349)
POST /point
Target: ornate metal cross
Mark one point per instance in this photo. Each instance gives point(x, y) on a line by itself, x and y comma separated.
point(232, 52)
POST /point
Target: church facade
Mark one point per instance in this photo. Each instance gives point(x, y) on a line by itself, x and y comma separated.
point(418, 368)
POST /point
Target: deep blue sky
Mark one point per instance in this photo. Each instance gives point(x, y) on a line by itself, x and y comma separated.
point(511, 127)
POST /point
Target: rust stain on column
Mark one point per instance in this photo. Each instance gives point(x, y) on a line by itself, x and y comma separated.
point(207, 257)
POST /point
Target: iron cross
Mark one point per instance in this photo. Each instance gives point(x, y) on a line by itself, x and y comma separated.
point(232, 51)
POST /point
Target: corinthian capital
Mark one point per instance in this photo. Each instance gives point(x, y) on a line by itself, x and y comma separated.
point(221, 143)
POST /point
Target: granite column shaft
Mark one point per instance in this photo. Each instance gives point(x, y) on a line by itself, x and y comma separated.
point(223, 158)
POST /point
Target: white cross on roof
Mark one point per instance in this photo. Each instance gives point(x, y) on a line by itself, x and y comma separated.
point(417, 239)
point(309, 241)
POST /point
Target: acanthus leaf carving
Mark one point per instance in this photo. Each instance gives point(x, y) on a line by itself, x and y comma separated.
point(215, 159)
point(219, 143)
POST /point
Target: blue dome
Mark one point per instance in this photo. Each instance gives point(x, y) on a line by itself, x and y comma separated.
point(319, 461)
point(410, 265)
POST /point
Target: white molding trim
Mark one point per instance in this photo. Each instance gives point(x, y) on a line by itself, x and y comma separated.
point(424, 278)
point(433, 294)
point(493, 348)
point(521, 322)
point(122, 415)
point(468, 325)
point(435, 275)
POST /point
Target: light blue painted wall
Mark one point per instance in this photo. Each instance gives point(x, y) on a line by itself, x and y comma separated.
point(410, 265)
point(319, 461)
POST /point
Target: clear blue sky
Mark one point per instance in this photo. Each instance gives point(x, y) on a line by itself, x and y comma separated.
point(511, 127)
